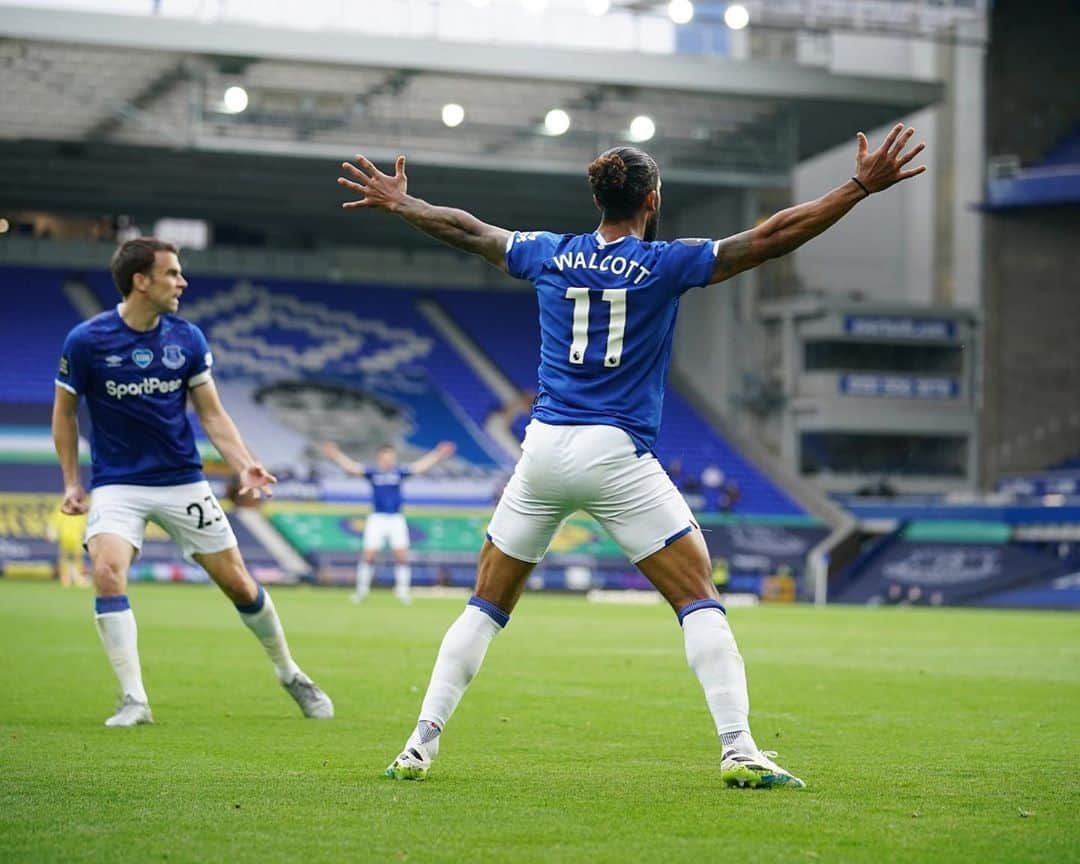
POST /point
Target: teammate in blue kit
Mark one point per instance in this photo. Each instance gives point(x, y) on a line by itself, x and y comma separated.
point(386, 523)
point(607, 313)
point(137, 365)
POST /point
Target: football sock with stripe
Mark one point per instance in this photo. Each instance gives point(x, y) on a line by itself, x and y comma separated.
point(460, 655)
point(261, 618)
point(120, 637)
point(426, 734)
point(713, 655)
point(741, 742)
point(364, 574)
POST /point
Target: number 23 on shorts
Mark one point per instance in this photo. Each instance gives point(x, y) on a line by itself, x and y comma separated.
point(205, 512)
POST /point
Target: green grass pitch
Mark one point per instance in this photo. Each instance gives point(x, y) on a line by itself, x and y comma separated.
point(924, 735)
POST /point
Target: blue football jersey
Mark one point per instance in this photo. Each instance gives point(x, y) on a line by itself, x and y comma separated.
point(136, 385)
point(607, 317)
point(386, 488)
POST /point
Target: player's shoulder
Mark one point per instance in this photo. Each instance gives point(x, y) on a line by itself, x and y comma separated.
point(546, 239)
point(177, 327)
point(676, 255)
point(94, 327)
point(683, 244)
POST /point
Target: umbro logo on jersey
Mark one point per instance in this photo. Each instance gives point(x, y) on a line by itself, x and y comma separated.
point(143, 357)
point(113, 360)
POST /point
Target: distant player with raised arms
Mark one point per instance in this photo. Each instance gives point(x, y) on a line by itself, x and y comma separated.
point(607, 316)
point(137, 365)
point(386, 523)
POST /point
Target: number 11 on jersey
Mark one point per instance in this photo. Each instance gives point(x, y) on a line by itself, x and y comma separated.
point(616, 299)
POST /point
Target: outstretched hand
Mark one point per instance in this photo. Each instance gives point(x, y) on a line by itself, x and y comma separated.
point(378, 190)
point(256, 481)
point(879, 169)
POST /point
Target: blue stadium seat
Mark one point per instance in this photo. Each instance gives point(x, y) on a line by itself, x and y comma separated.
point(37, 318)
point(281, 329)
point(276, 328)
point(1067, 151)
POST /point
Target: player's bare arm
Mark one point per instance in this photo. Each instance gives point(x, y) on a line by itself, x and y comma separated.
point(334, 453)
point(454, 227)
point(425, 463)
point(65, 432)
point(221, 430)
point(787, 230)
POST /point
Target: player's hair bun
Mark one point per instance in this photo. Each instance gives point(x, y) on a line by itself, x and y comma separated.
point(607, 173)
point(621, 178)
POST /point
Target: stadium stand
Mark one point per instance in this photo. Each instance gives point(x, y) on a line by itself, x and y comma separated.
point(32, 331)
point(259, 331)
point(1054, 180)
point(514, 347)
point(368, 337)
point(961, 563)
point(1067, 152)
point(270, 335)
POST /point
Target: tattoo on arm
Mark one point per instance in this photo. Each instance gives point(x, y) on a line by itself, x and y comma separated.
point(782, 232)
point(733, 255)
point(457, 228)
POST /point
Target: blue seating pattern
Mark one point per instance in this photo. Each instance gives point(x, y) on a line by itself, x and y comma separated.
point(372, 336)
point(37, 317)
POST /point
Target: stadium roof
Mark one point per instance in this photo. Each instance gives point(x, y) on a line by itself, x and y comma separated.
point(102, 110)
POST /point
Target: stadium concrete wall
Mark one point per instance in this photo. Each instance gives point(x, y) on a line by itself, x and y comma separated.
point(919, 243)
point(1031, 415)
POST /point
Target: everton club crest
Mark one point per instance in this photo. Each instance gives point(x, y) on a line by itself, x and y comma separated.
point(172, 356)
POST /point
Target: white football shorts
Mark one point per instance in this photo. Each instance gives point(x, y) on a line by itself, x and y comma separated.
point(592, 468)
point(383, 528)
point(190, 514)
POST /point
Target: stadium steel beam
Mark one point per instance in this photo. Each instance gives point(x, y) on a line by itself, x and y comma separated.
point(136, 107)
point(495, 163)
point(687, 73)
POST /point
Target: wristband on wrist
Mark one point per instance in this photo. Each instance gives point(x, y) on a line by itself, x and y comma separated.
point(857, 182)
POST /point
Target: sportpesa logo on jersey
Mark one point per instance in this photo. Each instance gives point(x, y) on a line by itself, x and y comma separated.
point(145, 387)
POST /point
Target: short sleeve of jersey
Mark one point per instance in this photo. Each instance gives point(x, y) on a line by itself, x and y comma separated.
point(202, 361)
point(526, 252)
point(689, 263)
point(74, 370)
point(404, 471)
